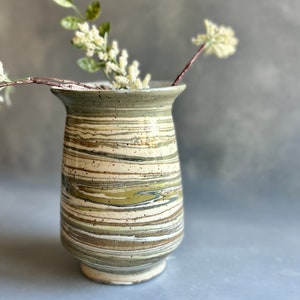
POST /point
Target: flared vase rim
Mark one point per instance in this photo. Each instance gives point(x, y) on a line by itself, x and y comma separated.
point(155, 86)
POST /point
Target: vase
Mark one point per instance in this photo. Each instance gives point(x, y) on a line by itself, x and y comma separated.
point(121, 193)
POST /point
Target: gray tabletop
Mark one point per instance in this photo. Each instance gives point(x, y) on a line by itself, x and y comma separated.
point(233, 249)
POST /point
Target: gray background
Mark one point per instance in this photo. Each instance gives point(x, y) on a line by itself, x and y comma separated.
point(238, 121)
point(238, 128)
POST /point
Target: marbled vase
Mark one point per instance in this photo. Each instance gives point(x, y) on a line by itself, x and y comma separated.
point(121, 197)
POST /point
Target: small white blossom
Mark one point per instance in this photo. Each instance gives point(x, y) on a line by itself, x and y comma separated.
point(89, 39)
point(90, 51)
point(94, 36)
point(114, 51)
point(128, 77)
point(123, 61)
point(146, 81)
point(135, 83)
point(133, 71)
point(103, 56)
point(120, 82)
point(218, 40)
point(111, 67)
point(84, 27)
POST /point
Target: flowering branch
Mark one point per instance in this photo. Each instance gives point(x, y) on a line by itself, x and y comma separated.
point(100, 54)
point(218, 40)
point(108, 57)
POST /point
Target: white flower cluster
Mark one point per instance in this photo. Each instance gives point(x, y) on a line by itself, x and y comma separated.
point(113, 61)
point(126, 76)
point(89, 39)
point(218, 40)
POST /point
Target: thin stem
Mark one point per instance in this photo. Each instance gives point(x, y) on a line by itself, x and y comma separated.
point(47, 81)
point(188, 65)
point(78, 12)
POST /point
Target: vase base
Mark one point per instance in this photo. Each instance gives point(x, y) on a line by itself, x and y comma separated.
point(123, 279)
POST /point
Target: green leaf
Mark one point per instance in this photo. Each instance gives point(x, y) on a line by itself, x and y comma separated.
point(70, 22)
point(93, 11)
point(64, 3)
point(104, 28)
point(88, 64)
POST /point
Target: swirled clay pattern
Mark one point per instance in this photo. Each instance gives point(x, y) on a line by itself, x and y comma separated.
point(121, 203)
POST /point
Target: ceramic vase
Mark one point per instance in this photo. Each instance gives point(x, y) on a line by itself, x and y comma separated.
point(121, 193)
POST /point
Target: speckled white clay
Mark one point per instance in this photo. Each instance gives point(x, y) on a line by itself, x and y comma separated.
point(121, 203)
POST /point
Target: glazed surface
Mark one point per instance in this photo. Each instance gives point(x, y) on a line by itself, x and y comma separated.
point(121, 204)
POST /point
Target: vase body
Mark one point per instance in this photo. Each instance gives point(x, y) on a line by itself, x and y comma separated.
point(121, 194)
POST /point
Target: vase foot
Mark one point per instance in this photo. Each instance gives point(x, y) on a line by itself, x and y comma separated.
point(125, 278)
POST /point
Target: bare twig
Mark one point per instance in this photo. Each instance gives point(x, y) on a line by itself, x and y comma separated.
point(48, 81)
point(188, 65)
